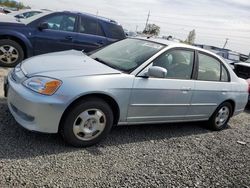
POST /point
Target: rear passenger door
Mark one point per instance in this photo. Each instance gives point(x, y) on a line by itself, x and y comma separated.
point(212, 86)
point(90, 34)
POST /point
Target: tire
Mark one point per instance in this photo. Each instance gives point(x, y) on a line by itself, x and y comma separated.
point(11, 53)
point(218, 121)
point(80, 124)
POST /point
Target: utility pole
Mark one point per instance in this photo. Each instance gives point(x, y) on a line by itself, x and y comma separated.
point(147, 20)
point(225, 43)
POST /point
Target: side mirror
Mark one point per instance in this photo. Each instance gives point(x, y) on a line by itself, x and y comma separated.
point(43, 26)
point(157, 72)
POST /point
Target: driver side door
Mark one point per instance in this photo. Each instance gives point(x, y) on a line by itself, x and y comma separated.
point(58, 37)
point(164, 99)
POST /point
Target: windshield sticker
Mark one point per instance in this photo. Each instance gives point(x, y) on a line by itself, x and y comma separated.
point(152, 45)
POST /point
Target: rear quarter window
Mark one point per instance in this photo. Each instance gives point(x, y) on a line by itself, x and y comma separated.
point(115, 31)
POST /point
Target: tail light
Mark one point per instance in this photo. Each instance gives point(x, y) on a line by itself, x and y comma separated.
point(248, 81)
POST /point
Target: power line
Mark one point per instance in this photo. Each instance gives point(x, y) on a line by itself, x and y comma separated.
point(225, 43)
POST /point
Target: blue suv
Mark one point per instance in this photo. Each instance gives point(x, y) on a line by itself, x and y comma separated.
point(56, 31)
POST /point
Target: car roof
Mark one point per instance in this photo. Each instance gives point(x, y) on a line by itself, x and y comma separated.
point(94, 16)
point(176, 44)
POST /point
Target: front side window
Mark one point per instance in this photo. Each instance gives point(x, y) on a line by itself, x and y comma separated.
point(178, 63)
point(61, 22)
point(126, 55)
point(90, 26)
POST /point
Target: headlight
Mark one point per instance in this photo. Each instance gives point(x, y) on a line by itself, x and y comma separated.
point(43, 85)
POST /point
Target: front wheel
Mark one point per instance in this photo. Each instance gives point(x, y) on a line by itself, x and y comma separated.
point(220, 117)
point(87, 122)
point(11, 53)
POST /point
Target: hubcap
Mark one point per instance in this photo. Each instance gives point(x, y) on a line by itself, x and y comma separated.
point(222, 116)
point(8, 54)
point(89, 124)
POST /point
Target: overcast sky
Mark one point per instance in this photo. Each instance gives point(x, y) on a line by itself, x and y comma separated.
point(213, 20)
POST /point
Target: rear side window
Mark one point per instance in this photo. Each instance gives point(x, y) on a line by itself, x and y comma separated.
point(210, 69)
point(90, 26)
point(116, 31)
point(224, 75)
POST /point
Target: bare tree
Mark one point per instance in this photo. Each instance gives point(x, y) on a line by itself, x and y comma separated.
point(191, 37)
point(152, 29)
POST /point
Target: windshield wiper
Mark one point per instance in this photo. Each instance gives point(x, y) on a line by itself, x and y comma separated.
point(106, 63)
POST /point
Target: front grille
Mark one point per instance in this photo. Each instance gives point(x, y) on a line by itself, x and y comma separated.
point(242, 71)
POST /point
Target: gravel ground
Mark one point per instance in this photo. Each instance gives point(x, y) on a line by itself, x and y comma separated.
point(173, 155)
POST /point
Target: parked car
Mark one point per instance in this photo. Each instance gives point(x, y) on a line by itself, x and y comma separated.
point(54, 31)
point(133, 81)
point(23, 14)
point(248, 81)
point(242, 69)
point(5, 10)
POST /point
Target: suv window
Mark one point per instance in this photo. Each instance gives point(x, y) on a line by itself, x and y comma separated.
point(179, 63)
point(211, 69)
point(90, 26)
point(61, 22)
point(116, 31)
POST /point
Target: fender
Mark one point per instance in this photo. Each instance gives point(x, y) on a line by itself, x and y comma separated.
point(21, 37)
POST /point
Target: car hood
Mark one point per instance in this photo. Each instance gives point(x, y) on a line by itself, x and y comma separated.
point(65, 64)
point(7, 20)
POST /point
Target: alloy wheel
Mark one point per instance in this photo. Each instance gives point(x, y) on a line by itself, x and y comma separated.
point(8, 54)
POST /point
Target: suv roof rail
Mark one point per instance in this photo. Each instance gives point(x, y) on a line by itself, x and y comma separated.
point(96, 16)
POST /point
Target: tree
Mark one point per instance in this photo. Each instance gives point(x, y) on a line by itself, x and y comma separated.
point(191, 37)
point(152, 29)
point(13, 4)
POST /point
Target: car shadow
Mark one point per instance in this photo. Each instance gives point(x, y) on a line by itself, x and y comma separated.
point(18, 143)
point(247, 109)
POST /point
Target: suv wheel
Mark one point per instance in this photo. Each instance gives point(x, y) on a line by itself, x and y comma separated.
point(87, 122)
point(11, 53)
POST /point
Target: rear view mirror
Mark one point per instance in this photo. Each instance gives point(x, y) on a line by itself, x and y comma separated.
point(157, 72)
point(43, 26)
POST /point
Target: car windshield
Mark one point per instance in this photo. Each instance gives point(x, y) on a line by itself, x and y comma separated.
point(128, 54)
point(33, 18)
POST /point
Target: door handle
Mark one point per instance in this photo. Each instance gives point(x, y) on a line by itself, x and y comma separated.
point(186, 88)
point(224, 91)
point(69, 38)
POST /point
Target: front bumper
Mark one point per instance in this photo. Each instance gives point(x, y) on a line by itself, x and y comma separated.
point(33, 111)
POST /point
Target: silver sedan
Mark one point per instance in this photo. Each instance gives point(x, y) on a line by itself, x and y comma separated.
point(134, 81)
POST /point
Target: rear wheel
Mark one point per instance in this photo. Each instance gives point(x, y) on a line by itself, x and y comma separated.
point(11, 53)
point(221, 116)
point(87, 122)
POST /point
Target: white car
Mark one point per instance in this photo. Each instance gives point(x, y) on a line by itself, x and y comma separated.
point(23, 14)
point(133, 81)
